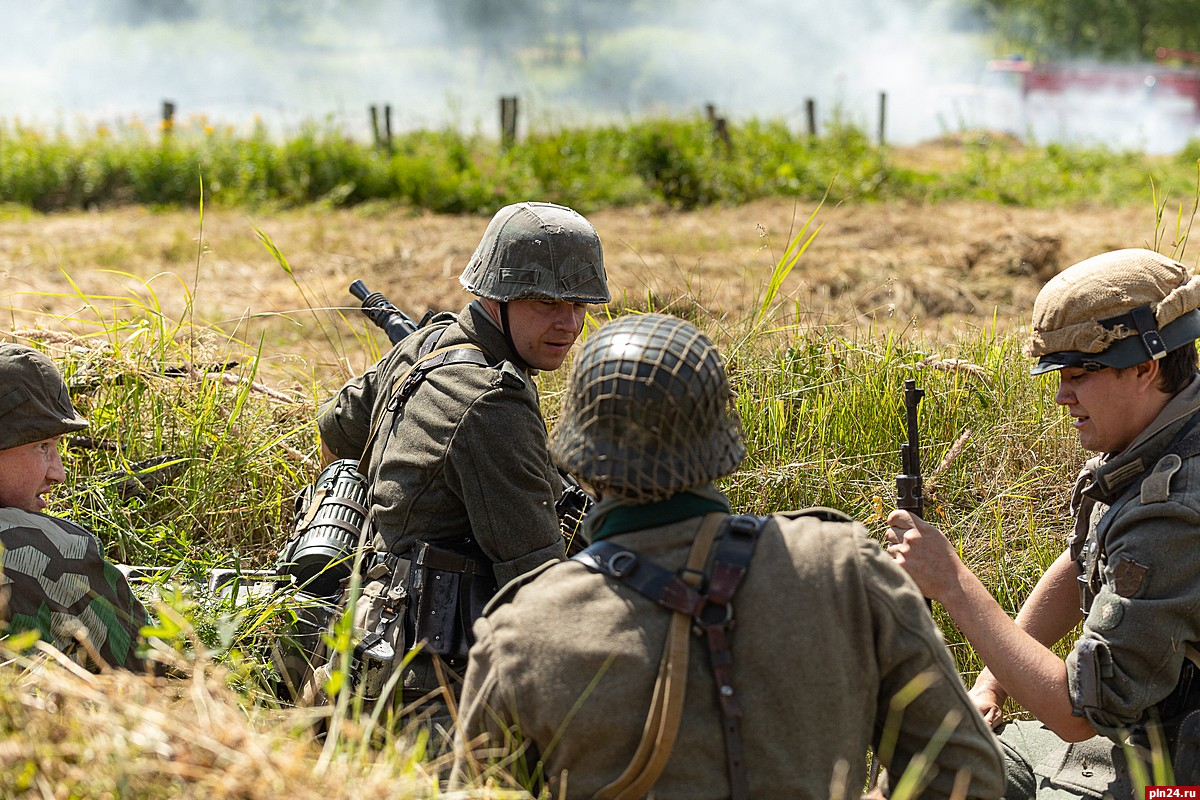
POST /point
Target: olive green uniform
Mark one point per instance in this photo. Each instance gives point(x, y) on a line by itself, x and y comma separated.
point(54, 580)
point(1137, 534)
point(828, 634)
point(464, 457)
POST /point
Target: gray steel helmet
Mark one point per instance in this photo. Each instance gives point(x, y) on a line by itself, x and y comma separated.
point(648, 411)
point(34, 404)
point(1116, 309)
point(538, 251)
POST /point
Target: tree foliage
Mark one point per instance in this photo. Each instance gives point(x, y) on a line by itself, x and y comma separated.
point(1109, 29)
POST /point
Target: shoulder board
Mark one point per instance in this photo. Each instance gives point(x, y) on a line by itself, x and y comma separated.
point(819, 512)
point(1156, 486)
point(510, 375)
point(509, 590)
point(1156, 482)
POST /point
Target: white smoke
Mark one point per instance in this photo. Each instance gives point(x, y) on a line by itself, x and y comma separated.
point(71, 64)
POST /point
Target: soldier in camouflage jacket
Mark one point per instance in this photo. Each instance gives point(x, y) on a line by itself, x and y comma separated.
point(54, 578)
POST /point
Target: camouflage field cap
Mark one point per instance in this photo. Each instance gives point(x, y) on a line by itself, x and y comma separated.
point(1116, 309)
point(648, 411)
point(538, 251)
point(34, 404)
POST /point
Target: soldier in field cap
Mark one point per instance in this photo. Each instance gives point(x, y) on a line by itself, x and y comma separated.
point(1118, 330)
point(812, 644)
point(53, 578)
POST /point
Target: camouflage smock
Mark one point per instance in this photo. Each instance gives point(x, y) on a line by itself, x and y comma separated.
point(464, 457)
point(828, 630)
point(56, 581)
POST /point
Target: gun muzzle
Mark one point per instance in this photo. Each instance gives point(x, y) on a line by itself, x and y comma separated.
point(377, 308)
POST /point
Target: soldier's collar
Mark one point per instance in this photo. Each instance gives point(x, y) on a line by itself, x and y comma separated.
point(480, 326)
point(620, 517)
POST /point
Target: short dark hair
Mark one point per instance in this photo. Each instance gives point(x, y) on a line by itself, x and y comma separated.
point(1177, 369)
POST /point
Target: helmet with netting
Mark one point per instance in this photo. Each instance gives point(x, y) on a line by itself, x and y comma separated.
point(1116, 309)
point(648, 411)
point(34, 404)
point(538, 251)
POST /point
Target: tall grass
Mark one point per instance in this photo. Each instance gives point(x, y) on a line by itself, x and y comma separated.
point(674, 162)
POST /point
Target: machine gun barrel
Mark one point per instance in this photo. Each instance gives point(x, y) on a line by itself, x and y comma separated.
point(377, 308)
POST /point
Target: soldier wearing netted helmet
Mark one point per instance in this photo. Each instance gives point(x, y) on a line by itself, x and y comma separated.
point(1119, 331)
point(588, 673)
point(54, 578)
point(460, 479)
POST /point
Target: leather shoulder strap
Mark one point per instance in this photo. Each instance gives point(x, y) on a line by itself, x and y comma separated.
point(696, 598)
point(429, 358)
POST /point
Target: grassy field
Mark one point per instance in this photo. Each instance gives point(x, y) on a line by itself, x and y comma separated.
point(823, 413)
point(186, 340)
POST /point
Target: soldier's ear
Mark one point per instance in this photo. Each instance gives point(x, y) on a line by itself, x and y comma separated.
point(1147, 371)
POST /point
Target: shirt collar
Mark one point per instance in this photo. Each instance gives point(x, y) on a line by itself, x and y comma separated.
point(612, 516)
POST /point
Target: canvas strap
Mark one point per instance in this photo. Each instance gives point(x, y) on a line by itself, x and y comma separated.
point(403, 385)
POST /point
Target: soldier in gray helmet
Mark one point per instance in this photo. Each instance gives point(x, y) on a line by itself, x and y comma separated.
point(53, 577)
point(810, 642)
point(451, 436)
point(1118, 329)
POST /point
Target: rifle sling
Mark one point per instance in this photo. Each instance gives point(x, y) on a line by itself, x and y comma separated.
point(709, 611)
point(403, 386)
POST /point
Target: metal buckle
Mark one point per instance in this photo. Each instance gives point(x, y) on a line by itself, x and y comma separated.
point(621, 563)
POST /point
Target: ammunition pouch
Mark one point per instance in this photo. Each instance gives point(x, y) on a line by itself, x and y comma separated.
point(378, 637)
point(428, 603)
point(451, 582)
point(379, 622)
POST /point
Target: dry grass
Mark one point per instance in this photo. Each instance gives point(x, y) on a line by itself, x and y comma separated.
point(70, 734)
point(937, 267)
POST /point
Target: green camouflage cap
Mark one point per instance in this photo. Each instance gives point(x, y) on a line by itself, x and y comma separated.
point(1116, 309)
point(538, 251)
point(648, 411)
point(34, 404)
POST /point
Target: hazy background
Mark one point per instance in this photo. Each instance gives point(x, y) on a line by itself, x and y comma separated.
point(446, 62)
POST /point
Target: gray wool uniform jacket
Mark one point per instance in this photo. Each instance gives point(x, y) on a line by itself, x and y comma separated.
point(465, 455)
point(1137, 540)
point(832, 647)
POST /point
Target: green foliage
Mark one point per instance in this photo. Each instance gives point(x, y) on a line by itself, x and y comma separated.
point(227, 451)
point(674, 162)
point(1096, 28)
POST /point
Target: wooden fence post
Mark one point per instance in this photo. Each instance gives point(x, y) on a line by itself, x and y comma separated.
point(387, 127)
point(168, 118)
point(508, 122)
point(374, 109)
point(882, 117)
point(720, 129)
point(810, 110)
